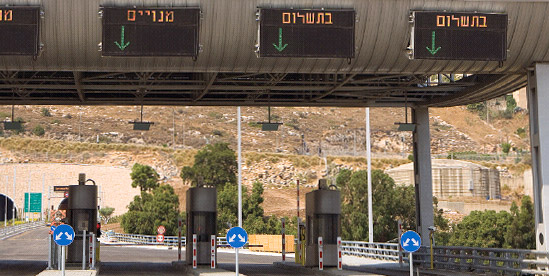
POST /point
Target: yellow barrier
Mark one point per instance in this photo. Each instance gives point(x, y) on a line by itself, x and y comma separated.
point(271, 243)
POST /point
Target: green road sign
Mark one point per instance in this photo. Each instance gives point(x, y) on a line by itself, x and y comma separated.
point(35, 202)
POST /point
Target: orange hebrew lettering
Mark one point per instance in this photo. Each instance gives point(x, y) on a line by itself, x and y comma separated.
point(456, 19)
point(310, 18)
point(8, 15)
point(441, 21)
point(154, 16)
point(140, 12)
point(161, 18)
point(148, 12)
point(169, 16)
point(473, 21)
point(320, 18)
point(286, 18)
point(464, 21)
point(483, 25)
point(329, 15)
point(131, 15)
point(302, 16)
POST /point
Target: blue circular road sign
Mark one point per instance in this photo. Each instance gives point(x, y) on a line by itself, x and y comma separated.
point(237, 237)
point(52, 228)
point(410, 241)
point(63, 235)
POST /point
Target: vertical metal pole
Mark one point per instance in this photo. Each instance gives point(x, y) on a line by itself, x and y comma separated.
point(283, 239)
point(298, 198)
point(83, 249)
point(94, 250)
point(369, 161)
point(13, 206)
point(63, 248)
point(49, 203)
point(400, 258)
point(80, 125)
point(194, 252)
point(299, 239)
point(179, 239)
point(49, 252)
point(6, 204)
point(239, 182)
point(173, 127)
point(339, 257)
point(42, 198)
point(29, 191)
point(411, 265)
point(213, 245)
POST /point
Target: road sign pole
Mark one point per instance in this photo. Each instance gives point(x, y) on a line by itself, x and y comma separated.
point(63, 248)
point(13, 206)
point(239, 182)
point(83, 249)
point(49, 252)
point(283, 240)
point(411, 265)
point(369, 162)
point(179, 239)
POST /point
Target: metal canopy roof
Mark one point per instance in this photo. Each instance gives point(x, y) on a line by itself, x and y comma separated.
point(72, 71)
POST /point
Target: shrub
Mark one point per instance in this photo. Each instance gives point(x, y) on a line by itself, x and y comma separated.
point(45, 112)
point(505, 147)
point(38, 131)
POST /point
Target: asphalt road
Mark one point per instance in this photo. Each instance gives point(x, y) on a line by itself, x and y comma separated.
point(27, 254)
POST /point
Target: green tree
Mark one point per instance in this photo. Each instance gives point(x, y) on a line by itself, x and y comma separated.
point(144, 177)
point(157, 205)
point(390, 203)
point(481, 229)
point(152, 209)
point(521, 233)
point(214, 165)
point(505, 147)
point(106, 213)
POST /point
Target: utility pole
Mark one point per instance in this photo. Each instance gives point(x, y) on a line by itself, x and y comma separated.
point(173, 127)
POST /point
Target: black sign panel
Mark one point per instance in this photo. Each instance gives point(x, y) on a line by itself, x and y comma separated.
point(459, 36)
point(60, 188)
point(307, 33)
point(19, 30)
point(150, 31)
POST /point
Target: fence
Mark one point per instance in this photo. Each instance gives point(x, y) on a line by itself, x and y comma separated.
point(151, 239)
point(9, 231)
point(481, 260)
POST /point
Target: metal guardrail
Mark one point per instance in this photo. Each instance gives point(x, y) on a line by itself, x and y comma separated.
point(151, 239)
point(494, 260)
point(380, 251)
point(9, 231)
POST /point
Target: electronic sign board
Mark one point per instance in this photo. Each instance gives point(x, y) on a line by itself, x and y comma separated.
point(459, 36)
point(130, 31)
point(307, 33)
point(19, 29)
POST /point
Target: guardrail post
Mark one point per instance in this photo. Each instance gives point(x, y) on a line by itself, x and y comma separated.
point(213, 245)
point(179, 239)
point(83, 249)
point(339, 257)
point(283, 240)
point(320, 254)
point(94, 251)
point(194, 251)
point(90, 245)
point(49, 252)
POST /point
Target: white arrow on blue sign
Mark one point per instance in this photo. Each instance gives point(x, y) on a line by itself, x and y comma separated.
point(237, 237)
point(52, 228)
point(410, 241)
point(63, 235)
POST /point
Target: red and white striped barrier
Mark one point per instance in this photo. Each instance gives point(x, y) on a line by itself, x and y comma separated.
point(194, 251)
point(320, 254)
point(213, 244)
point(283, 240)
point(339, 261)
point(91, 248)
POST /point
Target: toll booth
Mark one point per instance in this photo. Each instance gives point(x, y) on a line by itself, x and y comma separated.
point(323, 210)
point(201, 221)
point(82, 216)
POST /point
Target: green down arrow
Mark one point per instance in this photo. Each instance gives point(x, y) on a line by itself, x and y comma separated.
point(433, 51)
point(121, 45)
point(280, 47)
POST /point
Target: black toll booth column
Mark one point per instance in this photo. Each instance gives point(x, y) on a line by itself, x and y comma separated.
point(323, 209)
point(81, 215)
point(201, 220)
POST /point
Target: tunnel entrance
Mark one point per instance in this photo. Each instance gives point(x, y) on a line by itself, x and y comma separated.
point(7, 208)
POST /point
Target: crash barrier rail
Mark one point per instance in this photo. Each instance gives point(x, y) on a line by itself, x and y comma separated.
point(87, 242)
point(151, 239)
point(494, 260)
point(9, 231)
point(485, 260)
point(380, 251)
